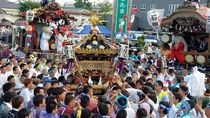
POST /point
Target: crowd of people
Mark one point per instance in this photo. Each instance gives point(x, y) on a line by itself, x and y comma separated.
point(34, 87)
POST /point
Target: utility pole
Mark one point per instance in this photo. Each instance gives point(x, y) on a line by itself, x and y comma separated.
point(113, 20)
point(94, 6)
point(84, 6)
point(208, 3)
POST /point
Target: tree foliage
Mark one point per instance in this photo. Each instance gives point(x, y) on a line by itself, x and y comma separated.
point(28, 4)
point(83, 4)
point(141, 42)
point(105, 7)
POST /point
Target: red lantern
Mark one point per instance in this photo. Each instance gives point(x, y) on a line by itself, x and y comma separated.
point(58, 12)
point(64, 29)
point(129, 23)
point(128, 28)
point(70, 34)
point(49, 19)
point(125, 16)
point(134, 10)
point(63, 44)
point(126, 39)
point(120, 30)
point(56, 31)
point(23, 13)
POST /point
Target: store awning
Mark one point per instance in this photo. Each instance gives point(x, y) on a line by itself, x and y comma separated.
point(87, 28)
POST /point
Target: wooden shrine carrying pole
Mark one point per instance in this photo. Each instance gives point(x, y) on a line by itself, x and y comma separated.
point(79, 72)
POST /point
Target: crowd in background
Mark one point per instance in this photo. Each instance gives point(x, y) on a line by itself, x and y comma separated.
point(35, 87)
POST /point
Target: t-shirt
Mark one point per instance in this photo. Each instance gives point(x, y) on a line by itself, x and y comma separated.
point(130, 113)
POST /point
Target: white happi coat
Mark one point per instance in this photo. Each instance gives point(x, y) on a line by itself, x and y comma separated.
point(44, 41)
point(59, 40)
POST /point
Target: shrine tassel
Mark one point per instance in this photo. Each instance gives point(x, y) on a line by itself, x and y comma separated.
point(100, 81)
point(69, 66)
point(121, 67)
point(112, 63)
point(90, 82)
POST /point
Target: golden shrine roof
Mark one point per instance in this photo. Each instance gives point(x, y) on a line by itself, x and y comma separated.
point(95, 44)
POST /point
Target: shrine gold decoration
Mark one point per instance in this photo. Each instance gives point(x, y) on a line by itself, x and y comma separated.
point(95, 65)
point(94, 20)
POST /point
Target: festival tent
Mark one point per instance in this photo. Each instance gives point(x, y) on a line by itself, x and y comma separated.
point(87, 28)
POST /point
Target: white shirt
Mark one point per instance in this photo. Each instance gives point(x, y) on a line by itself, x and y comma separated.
point(133, 94)
point(161, 78)
point(31, 72)
point(37, 73)
point(57, 75)
point(130, 113)
point(25, 93)
point(47, 68)
point(9, 73)
point(186, 78)
point(170, 78)
point(173, 112)
point(143, 56)
point(4, 77)
point(8, 104)
point(18, 84)
point(3, 80)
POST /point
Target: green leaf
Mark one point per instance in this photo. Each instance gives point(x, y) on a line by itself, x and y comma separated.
point(83, 4)
point(28, 4)
point(141, 41)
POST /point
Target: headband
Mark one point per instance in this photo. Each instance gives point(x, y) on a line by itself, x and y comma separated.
point(121, 96)
point(187, 104)
point(38, 66)
point(48, 81)
point(50, 71)
point(164, 107)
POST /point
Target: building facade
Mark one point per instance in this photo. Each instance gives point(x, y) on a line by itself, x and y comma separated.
point(10, 12)
point(145, 5)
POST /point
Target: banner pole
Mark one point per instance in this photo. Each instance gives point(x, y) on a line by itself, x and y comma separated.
point(113, 20)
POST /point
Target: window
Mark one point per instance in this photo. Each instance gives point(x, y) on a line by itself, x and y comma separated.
point(143, 8)
point(173, 7)
point(203, 5)
point(134, 6)
point(152, 7)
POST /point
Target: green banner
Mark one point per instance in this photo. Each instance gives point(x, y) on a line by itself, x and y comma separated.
point(122, 9)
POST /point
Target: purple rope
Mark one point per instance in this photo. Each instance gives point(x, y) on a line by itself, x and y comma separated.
point(111, 66)
point(71, 64)
point(67, 66)
point(121, 67)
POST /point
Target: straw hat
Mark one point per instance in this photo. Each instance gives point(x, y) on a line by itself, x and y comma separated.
point(45, 29)
point(29, 28)
point(34, 53)
point(53, 46)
